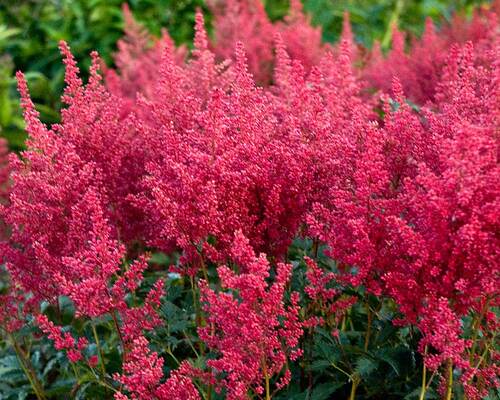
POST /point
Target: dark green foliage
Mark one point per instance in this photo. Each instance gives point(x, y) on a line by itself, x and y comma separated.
point(372, 20)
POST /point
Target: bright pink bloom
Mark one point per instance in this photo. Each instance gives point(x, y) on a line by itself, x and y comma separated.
point(420, 69)
point(143, 372)
point(249, 326)
point(62, 340)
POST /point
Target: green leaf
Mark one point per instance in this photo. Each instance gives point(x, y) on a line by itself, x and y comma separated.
point(61, 386)
point(365, 366)
point(6, 33)
point(325, 390)
point(8, 364)
point(387, 356)
point(5, 107)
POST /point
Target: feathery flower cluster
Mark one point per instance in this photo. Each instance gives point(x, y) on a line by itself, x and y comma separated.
point(4, 169)
point(14, 305)
point(247, 22)
point(235, 21)
point(326, 300)
point(420, 69)
point(249, 326)
point(143, 371)
point(63, 340)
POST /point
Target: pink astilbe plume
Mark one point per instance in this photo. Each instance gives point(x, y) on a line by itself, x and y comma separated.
point(4, 182)
point(63, 340)
point(4, 168)
point(15, 305)
point(244, 21)
point(137, 59)
point(447, 234)
point(322, 114)
point(418, 71)
point(327, 306)
point(37, 220)
point(229, 165)
point(143, 374)
point(249, 326)
point(347, 36)
point(420, 68)
point(53, 176)
point(86, 270)
point(302, 40)
point(343, 150)
point(351, 222)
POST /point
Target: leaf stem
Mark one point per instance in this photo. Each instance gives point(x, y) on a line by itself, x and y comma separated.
point(355, 383)
point(449, 385)
point(266, 378)
point(369, 326)
point(28, 369)
point(99, 349)
point(424, 377)
point(393, 20)
point(197, 309)
point(476, 325)
point(117, 326)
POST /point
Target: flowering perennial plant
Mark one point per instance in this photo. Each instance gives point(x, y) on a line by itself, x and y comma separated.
point(224, 223)
point(420, 69)
point(249, 325)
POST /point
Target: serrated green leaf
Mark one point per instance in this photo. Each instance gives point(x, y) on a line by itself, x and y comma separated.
point(387, 356)
point(365, 366)
point(320, 365)
point(325, 390)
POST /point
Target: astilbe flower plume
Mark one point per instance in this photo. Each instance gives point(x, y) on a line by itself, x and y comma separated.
point(229, 165)
point(249, 326)
point(15, 305)
point(70, 216)
point(350, 179)
point(4, 181)
point(4, 168)
point(137, 59)
point(63, 340)
point(447, 233)
point(246, 21)
point(326, 300)
point(302, 40)
point(451, 204)
point(420, 68)
point(143, 372)
point(322, 111)
point(62, 187)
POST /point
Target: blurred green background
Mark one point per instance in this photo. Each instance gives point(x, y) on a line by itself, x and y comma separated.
point(30, 31)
